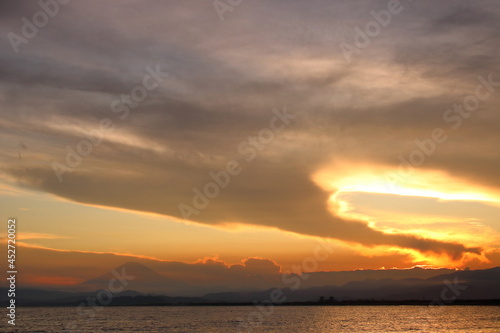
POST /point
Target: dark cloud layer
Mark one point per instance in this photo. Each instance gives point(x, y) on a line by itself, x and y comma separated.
point(225, 79)
point(205, 276)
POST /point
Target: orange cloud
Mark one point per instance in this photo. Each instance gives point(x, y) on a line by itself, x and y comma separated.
point(51, 281)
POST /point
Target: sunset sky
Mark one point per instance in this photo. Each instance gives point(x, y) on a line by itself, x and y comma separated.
point(384, 145)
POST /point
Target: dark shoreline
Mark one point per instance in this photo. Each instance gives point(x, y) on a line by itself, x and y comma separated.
point(492, 302)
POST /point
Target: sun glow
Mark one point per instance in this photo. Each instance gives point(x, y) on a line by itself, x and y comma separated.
point(343, 181)
point(419, 183)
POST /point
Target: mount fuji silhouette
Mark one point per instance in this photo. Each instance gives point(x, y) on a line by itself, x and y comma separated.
point(137, 277)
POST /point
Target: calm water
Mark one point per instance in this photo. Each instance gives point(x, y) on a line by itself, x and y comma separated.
point(321, 319)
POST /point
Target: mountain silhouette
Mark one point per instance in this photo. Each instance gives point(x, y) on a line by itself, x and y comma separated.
point(474, 285)
point(137, 277)
point(144, 286)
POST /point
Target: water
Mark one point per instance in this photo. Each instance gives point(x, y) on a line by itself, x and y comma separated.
point(323, 319)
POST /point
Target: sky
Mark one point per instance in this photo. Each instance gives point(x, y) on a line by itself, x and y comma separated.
point(214, 134)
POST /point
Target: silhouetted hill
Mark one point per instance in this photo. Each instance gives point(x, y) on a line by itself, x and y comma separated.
point(319, 279)
point(136, 277)
point(147, 287)
point(481, 284)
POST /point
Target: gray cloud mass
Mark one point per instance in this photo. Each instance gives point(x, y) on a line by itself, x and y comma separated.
point(225, 79)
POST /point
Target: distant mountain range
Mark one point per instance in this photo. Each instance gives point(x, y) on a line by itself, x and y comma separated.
point(148, 287)
point(465, 285)
point(142, 279)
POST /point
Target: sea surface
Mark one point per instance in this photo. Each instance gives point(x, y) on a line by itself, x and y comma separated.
point(322, 319)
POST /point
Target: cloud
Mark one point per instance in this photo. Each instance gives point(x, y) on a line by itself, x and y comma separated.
point(23, 236)
point(225, 80)
point(208, 275)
